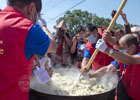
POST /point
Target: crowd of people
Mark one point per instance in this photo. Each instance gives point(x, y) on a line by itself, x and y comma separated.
point(25, 40)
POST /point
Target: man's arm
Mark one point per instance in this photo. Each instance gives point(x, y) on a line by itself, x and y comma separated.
point(83, 65)
point(124, 18)
point(45, 29)
point(73, 48)
point(52, 46)
point(124, 58)
point(126, 23)
point(121, 57)
point(37, 60)
point(85, 61)
point(100, 72)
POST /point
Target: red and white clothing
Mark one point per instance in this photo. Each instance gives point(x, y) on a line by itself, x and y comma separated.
point(15, 68)
point(100, 60)
point(130, 78)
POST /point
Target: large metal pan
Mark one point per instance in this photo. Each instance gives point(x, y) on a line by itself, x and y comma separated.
point(35, 95)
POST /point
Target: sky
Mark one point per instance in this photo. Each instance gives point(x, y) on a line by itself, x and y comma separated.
point(102, 8)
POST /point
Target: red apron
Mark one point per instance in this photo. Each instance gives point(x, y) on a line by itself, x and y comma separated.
point(101, 59)
point(131, 80)
point(15, 69)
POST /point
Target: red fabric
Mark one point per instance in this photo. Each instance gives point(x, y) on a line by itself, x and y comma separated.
point(59, 51)
point(15, 69)
point(79, 64)
point(131, 80)
point(102, 28)
point(116, 94)
point(100, 60)
point(127, 76)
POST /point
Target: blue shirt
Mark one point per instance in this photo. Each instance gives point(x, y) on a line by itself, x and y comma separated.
point(37, 42)
point(138, 54)
point(115, 64)
point(87, 53)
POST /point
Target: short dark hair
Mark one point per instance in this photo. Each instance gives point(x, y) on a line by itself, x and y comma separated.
point(23, 3)
point(38, 5)
point(91, 27)
point(137, 33)
point(80, 28)
point(132, 40)
point(0, 10)
point(120, 30)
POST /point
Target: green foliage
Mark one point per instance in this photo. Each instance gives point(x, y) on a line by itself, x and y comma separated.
point(77, 17)
point(131, 25)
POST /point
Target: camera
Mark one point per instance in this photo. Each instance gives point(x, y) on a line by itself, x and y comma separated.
point(81, 38)
point(61, 31)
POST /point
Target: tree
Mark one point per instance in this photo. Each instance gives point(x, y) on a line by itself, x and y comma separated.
point(76, 18)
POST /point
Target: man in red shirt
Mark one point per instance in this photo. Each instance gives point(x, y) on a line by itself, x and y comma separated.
point(20, 40)
point(129, 64)
point(101, 58)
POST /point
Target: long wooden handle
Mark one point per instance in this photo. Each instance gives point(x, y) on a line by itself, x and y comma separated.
point(108, 30)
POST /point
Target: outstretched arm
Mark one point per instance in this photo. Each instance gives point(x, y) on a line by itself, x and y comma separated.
point(126, 23)
point(100, 72)
point(124, 58)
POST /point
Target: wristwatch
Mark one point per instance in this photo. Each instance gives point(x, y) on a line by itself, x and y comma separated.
point(111, 52)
